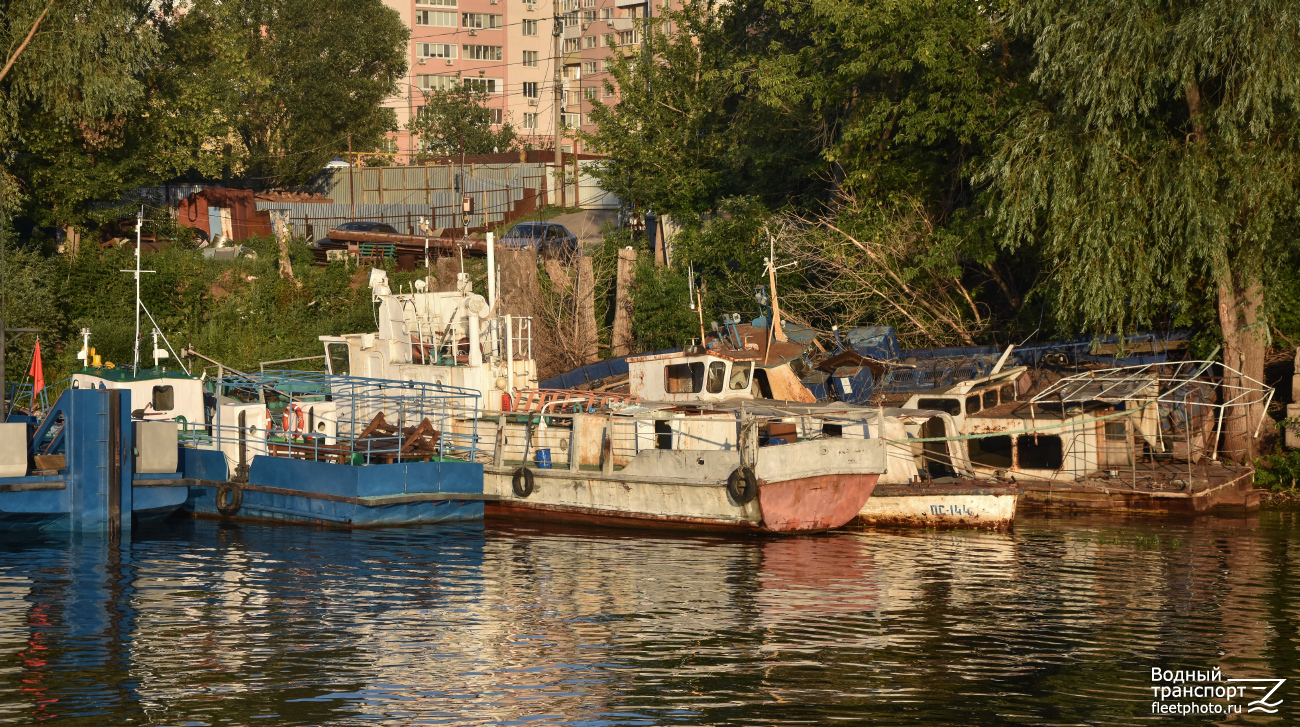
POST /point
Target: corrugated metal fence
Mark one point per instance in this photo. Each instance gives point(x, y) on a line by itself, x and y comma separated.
point(405, 196)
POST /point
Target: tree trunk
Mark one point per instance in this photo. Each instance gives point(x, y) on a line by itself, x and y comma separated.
point(588, 336)
point(1244, 348)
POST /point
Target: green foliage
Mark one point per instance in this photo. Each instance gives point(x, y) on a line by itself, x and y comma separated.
point(1159, 154)
point(1277, 472)
point(458, 121)
point(661, 317)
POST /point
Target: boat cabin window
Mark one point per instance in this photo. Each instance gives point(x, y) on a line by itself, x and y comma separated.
point(952, 406)
point(684, 378)
point(764, 388)
point(832, 430)
point(1116, 432)
point(972, 404)
point(740, 374)
point(1039, 452)
point(990, 398)
point(337, 358)
point(164, 398)
point(663, 434)
point(717, 372)
point(1007, 392)
point(991, 451)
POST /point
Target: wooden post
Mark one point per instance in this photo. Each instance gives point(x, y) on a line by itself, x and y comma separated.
point(586, 294)
point(621, 336)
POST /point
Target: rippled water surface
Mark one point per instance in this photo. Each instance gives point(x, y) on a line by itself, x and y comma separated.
point(1060, 622)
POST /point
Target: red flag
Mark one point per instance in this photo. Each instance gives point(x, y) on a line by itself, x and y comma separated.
point(36, 372)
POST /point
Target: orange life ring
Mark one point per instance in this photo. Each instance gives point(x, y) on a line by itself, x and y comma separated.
point(298, 417)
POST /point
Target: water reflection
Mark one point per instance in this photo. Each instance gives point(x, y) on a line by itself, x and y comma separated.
point(1056, 623)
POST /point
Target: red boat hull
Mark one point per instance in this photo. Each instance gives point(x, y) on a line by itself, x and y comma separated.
point(814, 503)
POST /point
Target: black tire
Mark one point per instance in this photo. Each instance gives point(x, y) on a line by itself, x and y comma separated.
point(229, 499)
point(742, 486)
point(522, 482)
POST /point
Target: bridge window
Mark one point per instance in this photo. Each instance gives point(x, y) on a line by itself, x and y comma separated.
point(952, 406)
point(991, 451)
point(740, 375)
point(717, 372)
point(164, 399)
point(685, 378)
point(1039, 452)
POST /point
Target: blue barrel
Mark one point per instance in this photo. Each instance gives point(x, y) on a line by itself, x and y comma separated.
point(543, 459)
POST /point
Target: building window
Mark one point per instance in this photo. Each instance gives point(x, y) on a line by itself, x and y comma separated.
point(589, 41)
point(480, 21)
point(603, 66)
point(481, 52)
point(484, 85)
point(438, 3)
point(497, 116)
point(571, 121)
point(570, 20)
point(589, 93)
point(530, 27)
point(436, 83)
point(607, 13)
point(588, 16)
point(608, 40)
point(530, 58)
point(572, 44)
point(586, 120)
point(629, 37)
point(589, 68)
point(530, 89)
point(530, 121)
point(436, 18)
point(436, 50)
point(588, 3)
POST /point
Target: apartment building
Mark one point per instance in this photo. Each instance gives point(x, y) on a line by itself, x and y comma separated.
point(506, 48)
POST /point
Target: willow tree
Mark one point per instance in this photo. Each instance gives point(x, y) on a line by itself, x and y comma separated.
point(1159, 165)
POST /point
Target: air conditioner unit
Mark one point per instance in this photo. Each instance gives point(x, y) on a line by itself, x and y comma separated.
point(532, 102)
point(585, 26)
point(449, 61)
point(421, 61)
point(473, 31)
point(531, 6)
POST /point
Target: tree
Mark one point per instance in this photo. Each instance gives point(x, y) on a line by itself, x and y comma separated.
point(1159, 163)
point(289, 80)
point(457, 120)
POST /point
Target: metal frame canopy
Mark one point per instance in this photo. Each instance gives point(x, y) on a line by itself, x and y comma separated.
point(1162, 383)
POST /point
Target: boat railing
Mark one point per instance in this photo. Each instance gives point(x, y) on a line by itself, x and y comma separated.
point(339, 419)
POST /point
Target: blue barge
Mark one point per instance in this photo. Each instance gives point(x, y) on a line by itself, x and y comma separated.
point(114, 451)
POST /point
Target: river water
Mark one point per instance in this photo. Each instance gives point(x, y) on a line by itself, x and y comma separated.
point(1057, 623)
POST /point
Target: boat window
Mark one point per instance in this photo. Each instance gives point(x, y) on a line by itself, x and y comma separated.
point(684, 378)
point(832, 430)
point(1116, 432)
point(1039, 452)
point(764, 388)
point(164, 399)
point(663, 434)
point(991, 451)
point(740, 374)
point(337, 358)
point(1007, 393)
point(717, 372)
point(990, 398)
point(952, 406)
point(972, 404)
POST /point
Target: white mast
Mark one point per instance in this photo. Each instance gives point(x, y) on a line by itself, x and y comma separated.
point(135, 345)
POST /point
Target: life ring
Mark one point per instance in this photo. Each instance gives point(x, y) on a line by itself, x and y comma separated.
point(229, 499)
point(745, 495)
point(522, 482)
point(298, 418)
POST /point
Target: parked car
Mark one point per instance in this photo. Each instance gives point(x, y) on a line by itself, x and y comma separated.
point(547, 238)
point(360, 227)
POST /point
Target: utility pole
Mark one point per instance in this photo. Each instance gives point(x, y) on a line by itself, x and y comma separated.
point(352, 185)
point(556, 34)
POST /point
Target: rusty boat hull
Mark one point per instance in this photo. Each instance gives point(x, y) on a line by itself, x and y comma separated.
point(802, 487)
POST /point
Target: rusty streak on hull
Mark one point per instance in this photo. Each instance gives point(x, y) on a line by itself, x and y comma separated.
point(812, 504)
